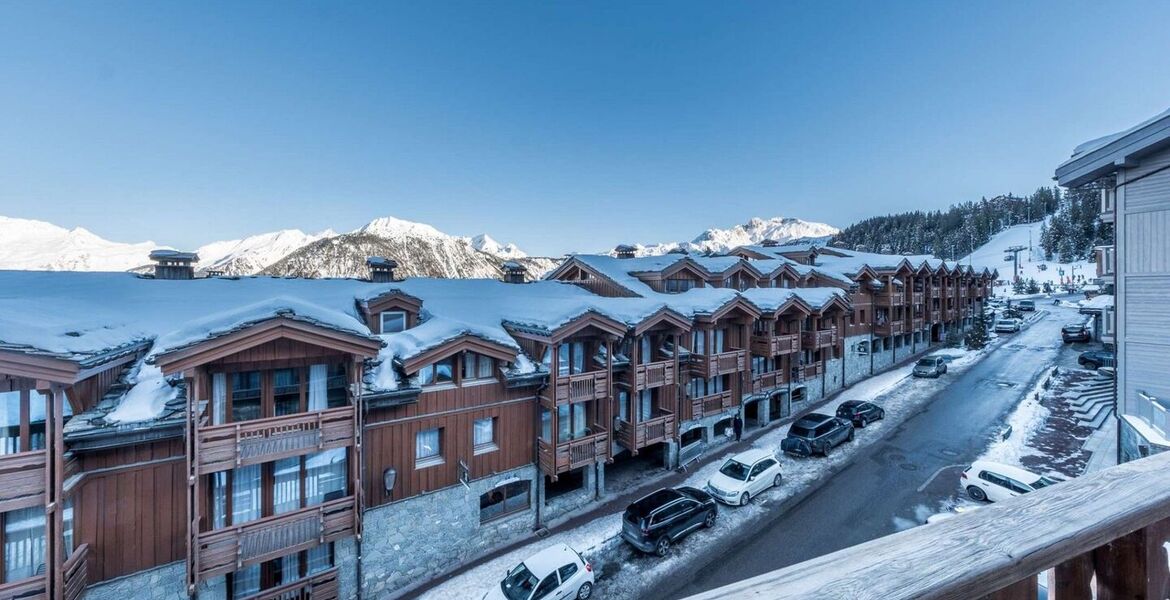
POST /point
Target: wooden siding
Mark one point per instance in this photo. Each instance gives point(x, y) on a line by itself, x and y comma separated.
point(22, 480)
point(84, 395)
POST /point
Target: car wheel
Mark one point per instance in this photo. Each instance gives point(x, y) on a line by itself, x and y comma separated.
point(709, 520)
point(881, 415)
point(776, 480)
point(976, 493)
point(663, 546)
point(862, 423)
point(744, 498)
point(585, 591)
point(851, 434)
point(826, 450)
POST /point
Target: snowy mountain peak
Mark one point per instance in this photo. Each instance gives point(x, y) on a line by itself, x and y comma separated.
point(37, 245)
point(394, 228)
point(254, 253)
point(484, 243)
point(756, 230)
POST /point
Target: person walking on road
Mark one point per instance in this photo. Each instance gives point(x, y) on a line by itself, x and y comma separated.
point(737, 426)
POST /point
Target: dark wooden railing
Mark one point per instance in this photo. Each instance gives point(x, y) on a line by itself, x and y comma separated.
point(1104, 532)
point(711, 404)
point(820, 338)
point(775, 345)
point(655, 374)
point(813, 370)
point(76, 573)
point(917, 323)
point(935, 316)
point(896, 327)
point(713, 365)
point(582, 387)
point(935, 291)
point(32, 588)
point(765, 382)
point(950, 314)
point(231, 548)
point(223, 447)
point(918, 297)
point(644, 433)
point(22, 480)
point(890, 299)
point(573, 454)
point(319, 586)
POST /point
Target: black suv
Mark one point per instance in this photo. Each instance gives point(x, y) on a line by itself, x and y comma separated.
point(815, 433)
point(860, 413)
point(1075, 332)
point(1095, 359)
point(654, 522)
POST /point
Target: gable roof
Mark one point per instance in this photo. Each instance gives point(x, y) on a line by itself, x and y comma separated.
point(1102, 156)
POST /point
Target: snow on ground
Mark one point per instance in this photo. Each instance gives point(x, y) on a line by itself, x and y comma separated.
point(622, 573)
point(1028, 417)
point(1032, 263)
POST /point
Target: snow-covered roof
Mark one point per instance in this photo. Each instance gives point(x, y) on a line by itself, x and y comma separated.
point(770, 299)
point(1098, 302)
point(1100, 156)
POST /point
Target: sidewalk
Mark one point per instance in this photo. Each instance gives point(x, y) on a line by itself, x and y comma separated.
point(1103, 446)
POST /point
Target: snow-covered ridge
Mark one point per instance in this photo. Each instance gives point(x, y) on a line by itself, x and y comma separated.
point(26, 244)
point(1032, 263)
point(755, 231)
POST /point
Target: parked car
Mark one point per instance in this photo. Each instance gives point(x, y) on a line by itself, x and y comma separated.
point(655, 521)
point(1027, 305)
point(1012, 312)
point(993, 482)
point(1007, 326)
point(1075, 332)
point(815, 433)
point(745, 476)
point(860, 413)
point(1095, 359)
point(556, 572)
point(930, 366)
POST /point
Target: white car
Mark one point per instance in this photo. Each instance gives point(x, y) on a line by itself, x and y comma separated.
point(985, 480)
point(555, 573)
point(1007, 326)
point(744, 476)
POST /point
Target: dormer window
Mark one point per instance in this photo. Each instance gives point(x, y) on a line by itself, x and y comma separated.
point(393, 321)
point(438, 373)
point(477, 366)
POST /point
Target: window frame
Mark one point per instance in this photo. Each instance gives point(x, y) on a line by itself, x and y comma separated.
point(433, 460)
point(268, 387)
point(509, 491)
point(484, 447)
point(382, 321)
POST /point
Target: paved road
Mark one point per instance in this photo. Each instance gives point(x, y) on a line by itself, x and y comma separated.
point(887, 490)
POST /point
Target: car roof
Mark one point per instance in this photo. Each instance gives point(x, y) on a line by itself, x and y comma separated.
point(644, 505)
point(1021, 475)
point(812, 420)
point(550, 559)
point(752, 456)
point(851, 403)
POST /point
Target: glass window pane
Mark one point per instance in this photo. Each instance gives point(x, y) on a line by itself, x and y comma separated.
point(38, 403)
point(486, 367)
point(320, 558)
point(286, 492)
point(67, 526)
point(546, 424)
point(9, 422)
point(219, 499)
point(245, 494)
point(337, 396)
point(563, 359)
point(393, 321)
point(483, 432)
point(246, 581)
point(427, 444)
point(286, 391)
point(24, 543)
point(325, 476)
point(219, 398)
point(246, 396)
point(469, 365)
point(318, 387)
point(578, 357)
point(564, 424)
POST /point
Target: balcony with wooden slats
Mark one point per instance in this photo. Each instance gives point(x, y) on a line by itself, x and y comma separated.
point(917, 323)
point(635, 436)
point(713, 365)
point(712, 404)
point(950, 314)
point(918, 297)
point(763, 383)
point(655, 374)
point(935, 316)
point(820, 338)
point(573, 454)
point(896, 327)
point(889, 299)
point(223, 447)
point(581, 387)
point(814, 370)
point(935, 291)
point(22, 480)
point(229, 549)
point(775, 345)
point(32, 588)
point(76, 572)
point(319, 586)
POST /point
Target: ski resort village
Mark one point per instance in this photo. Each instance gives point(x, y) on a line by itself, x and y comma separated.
point(746, 337)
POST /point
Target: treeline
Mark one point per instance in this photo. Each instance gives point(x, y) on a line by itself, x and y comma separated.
point(1074, 229)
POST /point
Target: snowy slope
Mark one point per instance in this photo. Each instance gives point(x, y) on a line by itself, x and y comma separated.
point(1032, 263)
point(39, 246)
point(756, 230)
point(252, 254)
point(484, 243)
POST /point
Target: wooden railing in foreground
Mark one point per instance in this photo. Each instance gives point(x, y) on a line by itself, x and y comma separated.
point(1103, 532)
point(76, 573)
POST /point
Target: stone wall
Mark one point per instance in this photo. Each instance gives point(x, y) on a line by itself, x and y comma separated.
point(834, 376)
point(568, 503)
point(857, 363)
point(167, 582)
point(411, 541)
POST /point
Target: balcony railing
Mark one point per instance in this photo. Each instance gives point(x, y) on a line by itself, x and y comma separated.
point(935, 291)
point(655, 374)
point(891, 299)
point(76, 572)
point(917, 323)
point(896, 327)
point(319, 586)
point(936, 316)
point(813, 370)
point(1105, 531)
point(775, 345)
point(582, 387)
point(712, 404)
point(22, 480)
point(229, 549)
point(963, 291)
point(918, 297)
point(766, 382)
point(223, 447)
point(34, 588)
point(820, 338)
point(713, 365)
point(950, 314)
point(644, 433)
point(573, 454)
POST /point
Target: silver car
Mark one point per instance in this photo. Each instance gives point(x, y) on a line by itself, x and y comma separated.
point(931, 366)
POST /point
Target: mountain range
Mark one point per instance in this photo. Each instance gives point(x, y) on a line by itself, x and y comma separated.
point(420, 249)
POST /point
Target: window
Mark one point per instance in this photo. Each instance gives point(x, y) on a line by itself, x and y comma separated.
point(623, 405)
point(476, 366)
point(24, 543)
point(325, 475)
point(483, 435)
point(718, 343)
point(437, 373)
point(571, 422)
point(504, 500)
point(677, 286)
point(286, 391)
point(393, 321)
point(246, 396)
point(428, 450)
point(645, 350)
point(645, 405)
point(545, 424)
point(546, 587)
point(571, 358)
point(567, 571)
point(699, 341)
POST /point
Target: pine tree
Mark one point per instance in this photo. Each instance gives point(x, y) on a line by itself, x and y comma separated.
point(976, 337)
point(1032, 287)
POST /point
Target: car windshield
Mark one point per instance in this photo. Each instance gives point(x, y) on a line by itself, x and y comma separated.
point(926, 362)
point(800, 431)
point(1042, 482)
point(519, 583)
point(735, 470)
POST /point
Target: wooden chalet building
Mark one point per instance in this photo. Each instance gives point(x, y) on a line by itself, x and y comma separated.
point(260, 438)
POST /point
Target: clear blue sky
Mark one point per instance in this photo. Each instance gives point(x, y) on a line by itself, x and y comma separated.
point(557, 125)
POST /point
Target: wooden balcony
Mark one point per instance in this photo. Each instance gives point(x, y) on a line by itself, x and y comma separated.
point(918, 297)
point(655, 374)
point(321, 586)
point(950, 314)
point(228, 549)
point(896, 327)
point(896, 299)
point(917, 323)
point(712, 365)
point(775, 345)
point(935, 291)
point(935, 316)
point(233, 445)
point(573, 454)
point(33, 588)
point(963, 291)
point(582, 387)
point(820, 338)
point(1100, 535)
point(813, 370)
point(76, 573)
point(712, 404)
point(766, 382)
point(22, 480)
point(644, 433)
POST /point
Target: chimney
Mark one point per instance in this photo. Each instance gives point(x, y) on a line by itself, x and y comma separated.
point(625, 251)
point(381, 269)
point(172, 264)
point(514, 272)
point(769, 243)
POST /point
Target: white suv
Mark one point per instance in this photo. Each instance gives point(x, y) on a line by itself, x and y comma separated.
point(555, 573)
point(744, 476)
point(993, 482)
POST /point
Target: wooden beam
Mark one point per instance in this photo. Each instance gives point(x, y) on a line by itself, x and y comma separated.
point(1072, 579)
point(1024, 589)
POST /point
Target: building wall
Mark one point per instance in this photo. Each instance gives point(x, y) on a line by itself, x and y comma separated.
point(166, 582)
point(857, 363)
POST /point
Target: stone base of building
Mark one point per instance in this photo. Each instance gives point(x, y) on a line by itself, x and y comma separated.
point(1132, 444)
point(166, 582)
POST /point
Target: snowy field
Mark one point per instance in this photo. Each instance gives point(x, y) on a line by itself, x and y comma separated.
point(622, 573)
point(1032, 264)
